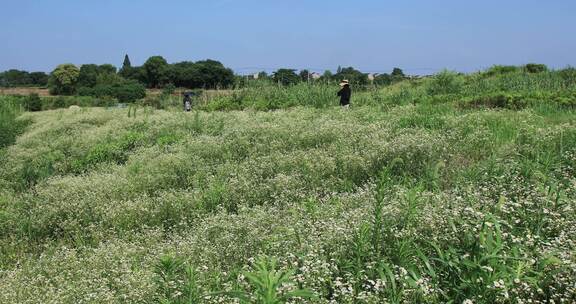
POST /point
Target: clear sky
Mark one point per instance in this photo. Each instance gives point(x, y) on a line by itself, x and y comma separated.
point(420, 36)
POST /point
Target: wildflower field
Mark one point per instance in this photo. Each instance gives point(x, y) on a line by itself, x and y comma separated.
point(419, 193)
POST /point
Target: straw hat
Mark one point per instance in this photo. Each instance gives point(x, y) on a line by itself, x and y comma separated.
point(344, 82)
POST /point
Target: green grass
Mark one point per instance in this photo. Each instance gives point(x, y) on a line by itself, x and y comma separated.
point(512, 90)
point(10, 125)
point(392, 201)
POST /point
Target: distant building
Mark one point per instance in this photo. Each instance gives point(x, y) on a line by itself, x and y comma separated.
point(372, 76)
point(315, 75)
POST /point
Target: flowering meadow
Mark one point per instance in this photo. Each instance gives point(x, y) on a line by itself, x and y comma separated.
point(411, 203)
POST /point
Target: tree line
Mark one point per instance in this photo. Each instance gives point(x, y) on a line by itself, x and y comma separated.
point(18, 78)
point(129, 82)
point(286, 76)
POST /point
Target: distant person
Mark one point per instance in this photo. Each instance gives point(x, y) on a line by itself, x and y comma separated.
point(345, 93)
point(187, 102)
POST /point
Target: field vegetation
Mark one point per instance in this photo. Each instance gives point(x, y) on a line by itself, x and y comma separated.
point(449, 189)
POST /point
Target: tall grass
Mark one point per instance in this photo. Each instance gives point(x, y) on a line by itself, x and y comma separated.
point(408, 197)
point(445, 87)
point(10, 125)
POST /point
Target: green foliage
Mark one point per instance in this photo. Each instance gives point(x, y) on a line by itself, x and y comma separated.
point(91, 74)
point(519, 101)
point(10, 125)
point(125, 71)
point(32, 103)
point(129, 92)
point(168, 89)
point(176, 281)
point(112, 86)
point(535, 68)
point(354, 76)
point(327, 75)
point(397, 74)
point(155, 68)
point(266, 283)
point(383, 79)
point(39, 79)
point(285, 77)
point(501, 69)
point(63, 79)
point(410, 197)
point(208, 74)
point(304, 75)
point(16, 78)
point(445, 82)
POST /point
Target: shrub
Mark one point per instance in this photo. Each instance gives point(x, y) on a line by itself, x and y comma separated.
point(128, 91)
point(152, 101)
point(286, 77)
point(168, 89)
point(33, 103)
point(535, 68)
point(445, 82)
point(85, 91)
point(501, 69)
point(568, 74)
point(499, 100)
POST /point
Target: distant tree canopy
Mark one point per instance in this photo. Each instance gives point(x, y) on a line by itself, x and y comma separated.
point(89, 73)
point(352, 75)
point(397, 75)
point(63, 79)
point(535, 68)
point(157, 73)
point(14, 78)
point(286, 76)
point(327, 75)
point(155, 69)
point(304, 75)
point(383, 79)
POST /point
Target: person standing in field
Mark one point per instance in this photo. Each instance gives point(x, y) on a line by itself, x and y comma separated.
point(187, 102)
point(345, 93)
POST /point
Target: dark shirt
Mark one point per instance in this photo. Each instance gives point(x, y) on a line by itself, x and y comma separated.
point(345, 93)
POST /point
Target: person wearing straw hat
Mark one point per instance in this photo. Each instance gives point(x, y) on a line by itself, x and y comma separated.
point(345, 93)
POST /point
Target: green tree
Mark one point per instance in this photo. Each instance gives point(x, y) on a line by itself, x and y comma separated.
point(14, 78)
point(126, 63)
point(327, 76)
point(397, 73)
point(106, 68)
point(213, 74)
point(126, 69)
point(286, 76)
point(63, 79)
point(352, 75)
point(304, 75)
point(155, 68)
point(39, 78)
point(383, 79)
point(88, 75)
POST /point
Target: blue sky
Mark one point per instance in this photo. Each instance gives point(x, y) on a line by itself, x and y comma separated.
point(420, 36)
